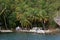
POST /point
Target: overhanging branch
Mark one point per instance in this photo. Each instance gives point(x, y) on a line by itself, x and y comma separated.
point(2, 10)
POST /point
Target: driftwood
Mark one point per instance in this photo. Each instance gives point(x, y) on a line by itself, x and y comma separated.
point(57, 20)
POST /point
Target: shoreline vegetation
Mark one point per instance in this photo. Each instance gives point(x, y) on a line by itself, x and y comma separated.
point(28, 14)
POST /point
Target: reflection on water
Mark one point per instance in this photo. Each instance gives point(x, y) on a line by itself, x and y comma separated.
point(28, 36)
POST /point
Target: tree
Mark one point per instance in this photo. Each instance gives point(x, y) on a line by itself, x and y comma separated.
point(29, 11)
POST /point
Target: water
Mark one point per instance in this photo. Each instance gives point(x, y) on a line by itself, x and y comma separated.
point(28, 36)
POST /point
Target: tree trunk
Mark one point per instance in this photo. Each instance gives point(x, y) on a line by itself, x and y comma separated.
point(5, 22)
point(43, 24)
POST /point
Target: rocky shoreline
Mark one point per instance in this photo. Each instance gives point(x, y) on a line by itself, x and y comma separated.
point(45, 31)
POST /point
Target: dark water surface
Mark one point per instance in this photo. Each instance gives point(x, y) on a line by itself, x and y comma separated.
point(28, 36)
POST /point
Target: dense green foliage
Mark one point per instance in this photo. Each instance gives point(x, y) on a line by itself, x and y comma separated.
point(28, 13)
